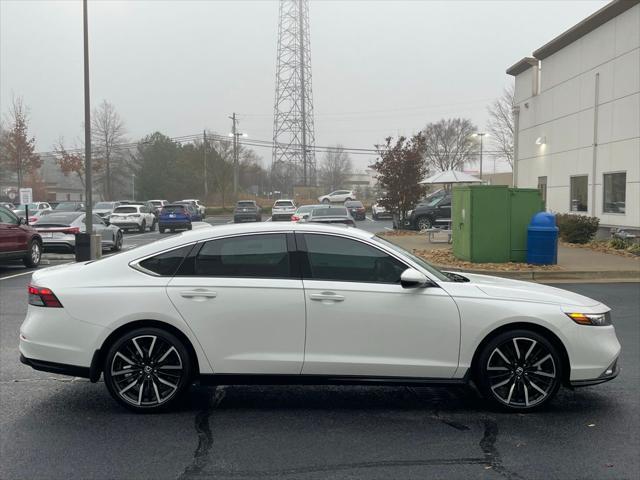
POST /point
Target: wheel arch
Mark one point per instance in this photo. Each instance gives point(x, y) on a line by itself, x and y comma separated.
point(540, 329)
point(99, 355)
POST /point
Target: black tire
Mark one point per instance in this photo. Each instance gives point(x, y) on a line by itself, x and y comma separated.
point(519, 371)
point(34, 254)
point(143, 226)
point(189, 227)
point(161, 230)
point(424, 222)
point(325, 200)
point(374, 216)
point(347, 199)
point(148, 383)
point(117, 245)
point(153, 226)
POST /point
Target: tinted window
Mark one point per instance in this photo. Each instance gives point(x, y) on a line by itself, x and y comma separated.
point(615, 186)
point(263, 256)
point(166, 263)
point(329, 212)
point(173, 209)
point(246, 204)
point(126, 210)
point(346, 260)
point(283, 203)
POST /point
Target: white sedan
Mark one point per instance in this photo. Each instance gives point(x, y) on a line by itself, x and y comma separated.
point(305, 303)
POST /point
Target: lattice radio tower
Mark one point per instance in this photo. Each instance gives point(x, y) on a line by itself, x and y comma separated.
point(294, 160)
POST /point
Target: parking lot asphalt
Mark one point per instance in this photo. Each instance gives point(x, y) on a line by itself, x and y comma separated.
point(64, 428)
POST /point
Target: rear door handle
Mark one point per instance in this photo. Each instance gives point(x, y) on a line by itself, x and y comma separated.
point(199, 294)
point(330, 296)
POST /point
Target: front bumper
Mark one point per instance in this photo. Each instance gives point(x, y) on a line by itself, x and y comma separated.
point(610, 373)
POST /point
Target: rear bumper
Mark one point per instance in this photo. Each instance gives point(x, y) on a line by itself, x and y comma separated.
point(126, 224)
point(281, 216)
point(59, 368)
point(246, 218)
point(178, 224)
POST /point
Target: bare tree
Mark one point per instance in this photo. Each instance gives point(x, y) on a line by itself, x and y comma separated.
point(336, 166)
point(17, 150)
point(107, 137)
point(448, 144)
point(69, 161)
point(500, 124)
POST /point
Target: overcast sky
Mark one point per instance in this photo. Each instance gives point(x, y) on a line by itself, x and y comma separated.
point(379, 67)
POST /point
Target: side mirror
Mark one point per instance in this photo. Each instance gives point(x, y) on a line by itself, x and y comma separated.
point(412, 278)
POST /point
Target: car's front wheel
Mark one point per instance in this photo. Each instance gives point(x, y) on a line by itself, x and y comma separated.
point(143, 226)
point(147, 369)
point(519, 370)
point(34, 254)
point(424, 223)
point(325, 200)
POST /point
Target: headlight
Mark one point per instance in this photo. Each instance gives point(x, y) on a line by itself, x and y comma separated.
point(595, 319)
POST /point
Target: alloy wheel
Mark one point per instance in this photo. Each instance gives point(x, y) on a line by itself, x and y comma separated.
point(147, 371)
point(521, 372)
point(35, 253)
point(424, 223)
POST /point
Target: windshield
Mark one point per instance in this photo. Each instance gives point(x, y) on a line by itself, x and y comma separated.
point(424, 264)
point(103, 205)
point(156, 203)
point(126, 210)
point(306, 208)
point(173, 209)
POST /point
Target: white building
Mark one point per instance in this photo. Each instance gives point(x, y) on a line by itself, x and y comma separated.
point(577, 117)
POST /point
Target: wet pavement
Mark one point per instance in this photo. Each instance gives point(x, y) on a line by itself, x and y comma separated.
point(60, 427)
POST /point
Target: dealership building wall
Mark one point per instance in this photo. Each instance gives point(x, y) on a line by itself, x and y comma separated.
point(577, 109)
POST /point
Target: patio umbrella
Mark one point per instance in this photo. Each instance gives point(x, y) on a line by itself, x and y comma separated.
point(450, 176)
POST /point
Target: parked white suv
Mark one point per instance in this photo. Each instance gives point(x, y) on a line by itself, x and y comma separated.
point(339, 196)
point(283, 210)
point(129, 217)
point(201, 208)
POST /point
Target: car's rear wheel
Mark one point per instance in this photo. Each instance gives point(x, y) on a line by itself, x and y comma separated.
point(424, 223)
point(519, 370)
point(34, 255)
point(325, 200)
point(153, 227)
point(161, 230)
point(147, 369)
point(189, 227)
point(117, 244)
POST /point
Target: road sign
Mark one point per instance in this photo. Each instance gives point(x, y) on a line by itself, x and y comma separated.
point(26, 195)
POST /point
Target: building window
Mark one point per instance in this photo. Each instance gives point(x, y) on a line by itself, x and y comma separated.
point(614, 192)
point(542, 186)
point(579, 187)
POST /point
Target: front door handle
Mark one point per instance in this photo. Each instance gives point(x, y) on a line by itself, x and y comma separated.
point(198, 294)
point(324, 296)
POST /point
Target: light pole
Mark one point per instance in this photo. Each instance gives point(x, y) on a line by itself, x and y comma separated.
point(133, 187)
point(481, 135)
point(235, 134)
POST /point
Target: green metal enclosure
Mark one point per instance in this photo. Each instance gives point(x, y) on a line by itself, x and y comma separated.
point(489, 222)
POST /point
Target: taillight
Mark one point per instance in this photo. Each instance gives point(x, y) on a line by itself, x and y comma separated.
point(43, 297)
point(71, 230)
point(295, 218)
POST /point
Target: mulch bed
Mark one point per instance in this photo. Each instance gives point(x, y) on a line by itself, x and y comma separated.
point(602, 246)
point(444, 257)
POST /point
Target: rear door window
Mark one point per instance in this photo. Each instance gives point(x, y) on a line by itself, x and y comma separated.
point(252, 256)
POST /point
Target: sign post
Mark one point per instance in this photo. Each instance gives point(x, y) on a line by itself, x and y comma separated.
point(26, 195)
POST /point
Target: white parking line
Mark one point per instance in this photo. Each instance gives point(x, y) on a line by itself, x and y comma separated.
point(388, 228)
point(370, 219)
point(29, 272)
point(268, 219)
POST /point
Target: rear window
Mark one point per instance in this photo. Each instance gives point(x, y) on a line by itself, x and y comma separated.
point(283, 203)
point(246, 204)
point(173, 209)
point(126, 210)
point(59, 218)
point(166, 264)
point(330, 212)
point(353, 203)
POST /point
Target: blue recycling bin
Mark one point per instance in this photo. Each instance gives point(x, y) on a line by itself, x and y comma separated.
point(542, 239)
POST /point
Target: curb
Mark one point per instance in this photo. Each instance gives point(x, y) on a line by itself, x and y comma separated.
point(633, 275)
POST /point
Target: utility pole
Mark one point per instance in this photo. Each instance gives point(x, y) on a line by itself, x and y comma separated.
point(303, 123)
point(87, 136)
point(204, 162)
point(481, 135)
point(235, 154)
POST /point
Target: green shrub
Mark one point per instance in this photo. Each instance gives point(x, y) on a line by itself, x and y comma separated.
point(634, 248)
point(577, 228)
point(619, 243)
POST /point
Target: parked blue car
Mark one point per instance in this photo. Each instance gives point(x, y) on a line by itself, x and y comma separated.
point(175, 217)
point(193, 209)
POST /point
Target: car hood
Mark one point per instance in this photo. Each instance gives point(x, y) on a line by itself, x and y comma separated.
point(505, 288)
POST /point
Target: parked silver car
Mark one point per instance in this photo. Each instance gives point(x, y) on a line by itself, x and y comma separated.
point(58, 231)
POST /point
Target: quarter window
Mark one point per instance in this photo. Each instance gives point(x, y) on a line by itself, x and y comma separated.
point(346, 260)
point(578, 192)
point(166, 264)
point(615, 191)
point(260, 256)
